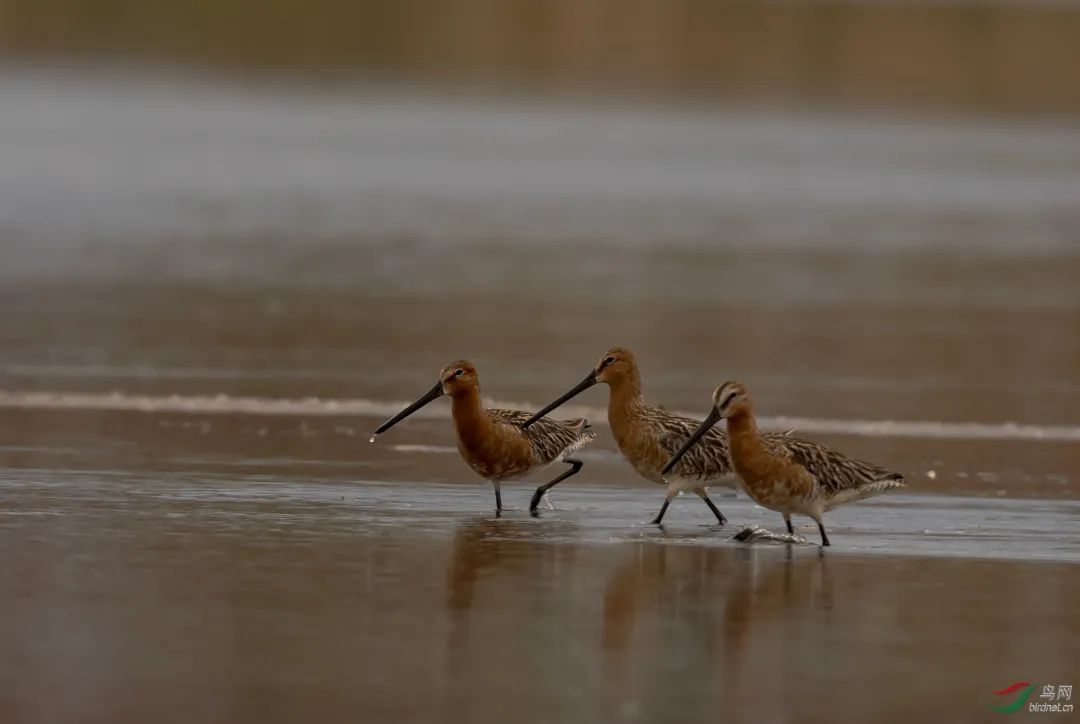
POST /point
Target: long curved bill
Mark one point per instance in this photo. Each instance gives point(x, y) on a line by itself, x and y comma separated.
point(585, 384)
point(714, 416)
point(433, 394)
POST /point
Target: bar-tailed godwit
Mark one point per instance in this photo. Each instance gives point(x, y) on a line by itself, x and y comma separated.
point(648, 436)
point(790, 476)
point(493, 442)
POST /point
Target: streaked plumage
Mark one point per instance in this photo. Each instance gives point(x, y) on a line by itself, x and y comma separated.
point(790, 475)
point(649, 436)
point(652, 435)
point(839, 479)
point(551, 440)
point(493, 442)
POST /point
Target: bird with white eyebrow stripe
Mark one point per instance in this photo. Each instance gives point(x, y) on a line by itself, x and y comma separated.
point(790, 476)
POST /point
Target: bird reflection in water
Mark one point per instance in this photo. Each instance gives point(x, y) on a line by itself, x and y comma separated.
point(726, 609)
point(500, 569)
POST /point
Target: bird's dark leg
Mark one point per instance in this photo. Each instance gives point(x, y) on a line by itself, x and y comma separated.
point(716, 511)
point(824, 538)
point(575, 466)
point(671, 492)
point(497, 484)
point(787, 519)
point(663, 509)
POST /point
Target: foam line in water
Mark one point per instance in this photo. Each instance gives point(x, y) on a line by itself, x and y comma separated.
point(227, 404)
point(431, 449)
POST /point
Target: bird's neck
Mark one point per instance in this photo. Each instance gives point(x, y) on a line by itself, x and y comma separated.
point(471, 420)
point(625, 403)
point(744, 440)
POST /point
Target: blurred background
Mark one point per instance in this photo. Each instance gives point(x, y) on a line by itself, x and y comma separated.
point(235, 235)
point(987, 55)
point(869, 209)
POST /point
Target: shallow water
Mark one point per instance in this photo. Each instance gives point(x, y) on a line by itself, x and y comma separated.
point(210, 299)
point(277, 597)
point(283, 568)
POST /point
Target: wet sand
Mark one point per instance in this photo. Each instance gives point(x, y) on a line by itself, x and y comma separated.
point(209, 301)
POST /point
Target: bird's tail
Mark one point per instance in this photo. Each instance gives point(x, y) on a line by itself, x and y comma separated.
point(582, 427)
point(877, 486)
point(580, 424)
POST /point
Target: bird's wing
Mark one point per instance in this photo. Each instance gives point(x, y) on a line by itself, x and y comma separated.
point(549, 438)
point(837, 474)
point(708, 458)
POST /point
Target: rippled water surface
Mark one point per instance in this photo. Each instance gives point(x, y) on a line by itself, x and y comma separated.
point(268, 587)
point(210, 298)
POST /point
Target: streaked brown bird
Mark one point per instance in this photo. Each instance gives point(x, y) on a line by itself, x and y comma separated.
point(493, 442)
point(792, 475)
point(648, 436)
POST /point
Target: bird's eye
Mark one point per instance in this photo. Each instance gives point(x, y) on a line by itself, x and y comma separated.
point(458, 373)
point(609, 360)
